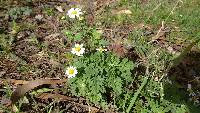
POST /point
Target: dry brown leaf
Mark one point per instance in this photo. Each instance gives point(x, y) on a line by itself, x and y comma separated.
point(17, 82)
point(13, 81)
point(118, 48)
point(21, 90)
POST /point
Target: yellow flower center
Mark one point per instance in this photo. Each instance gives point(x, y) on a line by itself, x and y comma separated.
point(101, 49)
point(78, 49)
point(74, 12)
point(71, 71)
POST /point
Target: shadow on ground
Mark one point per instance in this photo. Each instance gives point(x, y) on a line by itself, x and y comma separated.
point(187, 72)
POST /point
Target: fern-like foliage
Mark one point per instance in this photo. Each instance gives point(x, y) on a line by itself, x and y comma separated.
point(101, 77)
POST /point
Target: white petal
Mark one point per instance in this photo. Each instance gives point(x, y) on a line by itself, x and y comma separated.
point(66, 72)
point(75, 72)
point(77, 9)
point(72, 16)
point(80, 13)
point(71, 67)
point(70, 11)
point(81, 45)
point(79, 54)
point(73, 51)
point(77, 45)
point(71, 76)
point(82, 50)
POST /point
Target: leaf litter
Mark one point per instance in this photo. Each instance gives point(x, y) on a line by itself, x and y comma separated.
point(47, 31)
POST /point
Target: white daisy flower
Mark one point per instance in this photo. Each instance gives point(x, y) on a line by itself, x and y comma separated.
point(101, 49)
point(74, 12)
point(78, 50)
point(71, 72)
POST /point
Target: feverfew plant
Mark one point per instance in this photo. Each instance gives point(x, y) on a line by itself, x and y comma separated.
point(101, 77)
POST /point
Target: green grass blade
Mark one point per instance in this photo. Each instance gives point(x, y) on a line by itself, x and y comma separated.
point(137, 93)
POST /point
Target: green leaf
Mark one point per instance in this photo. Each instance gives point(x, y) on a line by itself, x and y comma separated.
point(78, 37)
point(137, 93)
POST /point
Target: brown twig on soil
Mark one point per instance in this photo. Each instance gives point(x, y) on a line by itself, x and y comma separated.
point(160, 33)
point(21, 90)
